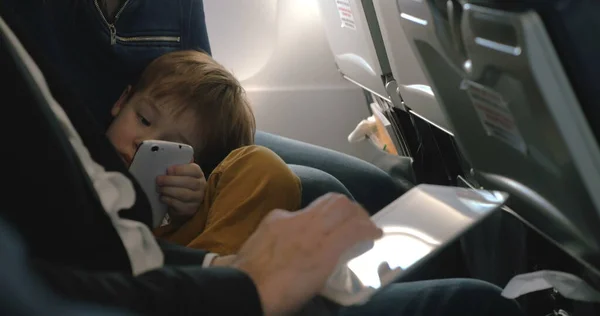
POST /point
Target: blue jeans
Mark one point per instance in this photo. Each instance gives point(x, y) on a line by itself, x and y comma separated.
point(322, 170)
point(448, 297)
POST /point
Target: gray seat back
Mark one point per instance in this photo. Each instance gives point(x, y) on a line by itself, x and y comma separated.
point(518, 121)
point(413, 86)
point(356, 44)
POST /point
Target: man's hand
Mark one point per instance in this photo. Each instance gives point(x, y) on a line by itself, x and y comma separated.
point(183, 190)
point(291, 255)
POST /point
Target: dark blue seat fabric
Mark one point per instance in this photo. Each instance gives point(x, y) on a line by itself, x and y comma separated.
point(95, 65)
point(366, 183)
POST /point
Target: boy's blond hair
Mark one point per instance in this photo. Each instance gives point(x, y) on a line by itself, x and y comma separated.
point(192, 79)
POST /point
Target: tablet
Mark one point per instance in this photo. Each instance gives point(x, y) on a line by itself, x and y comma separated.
point(415, 226)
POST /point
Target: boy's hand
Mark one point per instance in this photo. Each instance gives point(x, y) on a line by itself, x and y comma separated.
point(183, 190)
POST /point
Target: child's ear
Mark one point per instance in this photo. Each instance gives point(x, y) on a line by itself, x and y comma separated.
point(118, 106)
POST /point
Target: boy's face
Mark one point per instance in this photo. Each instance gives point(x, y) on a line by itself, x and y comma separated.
point(139, 118)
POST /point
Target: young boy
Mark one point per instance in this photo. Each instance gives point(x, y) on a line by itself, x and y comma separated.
point(187, 97)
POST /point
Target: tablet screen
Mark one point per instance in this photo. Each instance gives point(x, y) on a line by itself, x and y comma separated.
point(420, 222)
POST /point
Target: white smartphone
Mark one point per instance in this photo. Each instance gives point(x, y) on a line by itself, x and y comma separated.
point(415, 227)
point(152, 159)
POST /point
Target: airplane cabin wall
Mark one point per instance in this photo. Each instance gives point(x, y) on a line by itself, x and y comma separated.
point(279, 51)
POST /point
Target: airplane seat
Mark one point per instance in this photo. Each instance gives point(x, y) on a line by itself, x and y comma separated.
point(515, 81)
point(435, 136)
point(413, 86)
point(569, 24)
point(358, 42)
point(357, 49)
point(355, 41)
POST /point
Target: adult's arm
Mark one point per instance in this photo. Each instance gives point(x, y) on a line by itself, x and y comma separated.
point(175, 290)
point(180, 255)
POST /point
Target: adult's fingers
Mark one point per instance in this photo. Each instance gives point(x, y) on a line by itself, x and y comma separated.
point(338, 212)
point(346, 236)
point(322, 201)
point(326, 212)
point(330, 211)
